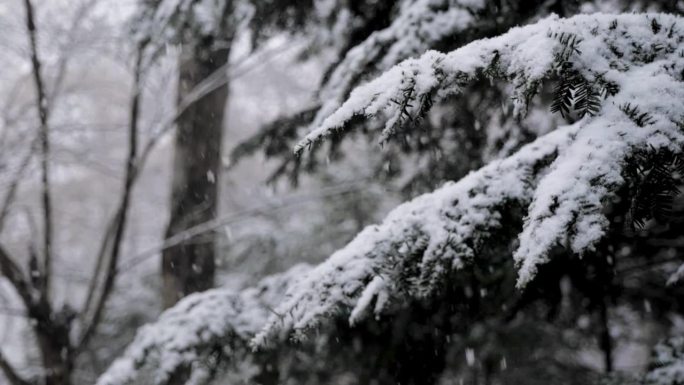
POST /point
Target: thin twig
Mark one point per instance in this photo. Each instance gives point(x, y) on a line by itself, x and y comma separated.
point(640, 267)
point(114, 241)
point(10, 269)
point(63, 62)
point(56, 89)
point(14, 185)
point(212, 82)
point(42, 106)
point(99, 262)
point(217, 223)
point(14, 275)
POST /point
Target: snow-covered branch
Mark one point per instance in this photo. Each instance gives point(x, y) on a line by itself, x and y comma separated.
point(624, 76)
point(619, 76)
point(604, 50)
point(187, 333)
point(418, 26)
point(417, 244)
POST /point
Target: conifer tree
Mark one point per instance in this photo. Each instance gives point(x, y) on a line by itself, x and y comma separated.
point(563, 206)
point(563, 179)
point(459, 135)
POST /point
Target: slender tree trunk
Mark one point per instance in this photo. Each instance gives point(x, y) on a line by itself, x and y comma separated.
point(52, 330)
point(605, 339)
point(189, 267)
point(56, 361)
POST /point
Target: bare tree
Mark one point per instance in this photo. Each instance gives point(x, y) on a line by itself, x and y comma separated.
point(58, 340)
point(64, 334)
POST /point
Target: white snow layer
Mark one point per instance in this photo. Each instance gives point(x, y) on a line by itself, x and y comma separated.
point(185, 333)
point(419, 25)
point(563, 179)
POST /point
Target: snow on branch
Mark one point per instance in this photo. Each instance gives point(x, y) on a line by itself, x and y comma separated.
point(418, 26)
point(622, 74)
point(196, 326)
point(416, 244)
point(596, 49)
point(667, 367)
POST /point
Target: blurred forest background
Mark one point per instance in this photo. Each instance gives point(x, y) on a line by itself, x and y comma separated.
point(87, 50)
point(137, 166)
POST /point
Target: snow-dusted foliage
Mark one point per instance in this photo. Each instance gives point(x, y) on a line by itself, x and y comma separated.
point(198, 325)
point(617, 77)
point(386, 263)
point(668, 363)
point(620, 76)
point(427, 156)
point(418, 26)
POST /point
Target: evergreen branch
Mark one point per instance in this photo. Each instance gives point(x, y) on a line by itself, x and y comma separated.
point(639, 118)
point(659, 174)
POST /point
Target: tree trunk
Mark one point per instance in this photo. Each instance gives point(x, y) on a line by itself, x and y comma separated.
point(189, 267)
point(52, 330)
point(57, 360)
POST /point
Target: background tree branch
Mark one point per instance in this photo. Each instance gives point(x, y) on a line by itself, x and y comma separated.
point(42, 105)
point(114, 237)
point(10, 373)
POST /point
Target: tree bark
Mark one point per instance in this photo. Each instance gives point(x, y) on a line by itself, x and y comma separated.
point(189, 267)
point(52, 330)
point(57, 356)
